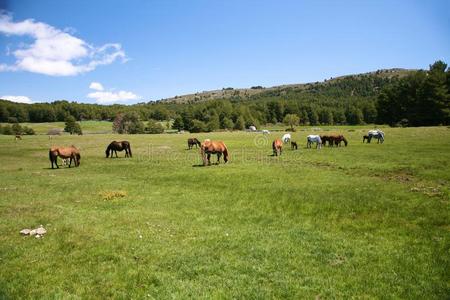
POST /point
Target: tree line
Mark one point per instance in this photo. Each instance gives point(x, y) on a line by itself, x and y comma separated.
point(417, 98)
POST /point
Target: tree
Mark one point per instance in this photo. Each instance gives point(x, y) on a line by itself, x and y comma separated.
point(71, 126)
point(213, 123)
point(240, 123)
point(178, 123)
point(198, 126)
point(291, 120)
point(129, 123)
point(226, 123)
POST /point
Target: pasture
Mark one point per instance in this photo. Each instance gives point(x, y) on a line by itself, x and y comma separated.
point(363, 221)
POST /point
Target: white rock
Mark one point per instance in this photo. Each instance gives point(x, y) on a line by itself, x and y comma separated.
point(33, 232)
point(25, 231)
point(41, 231)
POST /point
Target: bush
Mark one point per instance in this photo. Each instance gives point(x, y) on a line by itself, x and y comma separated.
point(28, 130)
point(154, 127)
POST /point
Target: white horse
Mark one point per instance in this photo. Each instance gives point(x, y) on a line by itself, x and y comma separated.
point(377, 134)
point(312, 138)
point(286, 138)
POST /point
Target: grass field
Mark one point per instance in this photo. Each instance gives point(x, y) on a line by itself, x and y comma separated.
point(363, 221)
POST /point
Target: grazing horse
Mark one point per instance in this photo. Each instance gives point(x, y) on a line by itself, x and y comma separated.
point(325, 139)
point(193, 141)
point(294, 145)
point(377, 134)
point(118, 146)
point(18, 137)
point(65, 153)
point(366, 137)
point(209, 147)
point(337, 140)
point(286, 138)
point(313, 139)
point(277, 147)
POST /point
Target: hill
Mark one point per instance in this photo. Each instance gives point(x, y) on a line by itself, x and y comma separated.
point(259, 91)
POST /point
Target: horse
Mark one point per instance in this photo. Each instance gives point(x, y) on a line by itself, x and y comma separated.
point(377, 134)
point(286, 138)
point(294, 145)
point(118, 146)
point(277, 147)
point(325, 139)
point(209, 147)
point(366, 137)
point(193, 141)
point(337, 140)
point(64, 152)
point(18, 137)
point(313, 139)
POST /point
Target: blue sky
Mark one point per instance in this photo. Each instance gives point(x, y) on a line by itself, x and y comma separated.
point(136, 51)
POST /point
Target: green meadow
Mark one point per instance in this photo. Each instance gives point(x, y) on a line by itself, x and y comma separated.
point(365, 221)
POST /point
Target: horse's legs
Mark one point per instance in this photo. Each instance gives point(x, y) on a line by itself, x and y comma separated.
point(218, 157)
point(209, 158)
point(70, 161)
point(115, 151)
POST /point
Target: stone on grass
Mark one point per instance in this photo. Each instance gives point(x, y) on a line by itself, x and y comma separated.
point(25, 231)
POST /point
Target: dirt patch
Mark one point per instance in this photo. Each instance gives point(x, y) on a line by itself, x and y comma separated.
point(111, 195)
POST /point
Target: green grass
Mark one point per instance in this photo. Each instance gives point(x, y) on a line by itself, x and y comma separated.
point(86, 126)
point(365, 221)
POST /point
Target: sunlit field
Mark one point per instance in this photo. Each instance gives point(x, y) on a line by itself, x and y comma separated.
point(363, 221)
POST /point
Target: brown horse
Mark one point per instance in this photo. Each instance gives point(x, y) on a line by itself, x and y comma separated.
point(209, 147)
point(193, 141)
point(277, 147)
point(118, 146)
point(366, 137)
point(325, 139)
point(294, 145)
point(64, 152)
point(337, 139)
point(18, 137)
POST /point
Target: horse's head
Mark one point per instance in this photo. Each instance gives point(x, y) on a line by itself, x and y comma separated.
point(78, 159)
point(107, 152)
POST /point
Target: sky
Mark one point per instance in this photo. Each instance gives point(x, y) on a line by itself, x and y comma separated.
point(134, 51)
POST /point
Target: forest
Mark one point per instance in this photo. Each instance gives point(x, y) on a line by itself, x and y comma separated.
point(397, 98)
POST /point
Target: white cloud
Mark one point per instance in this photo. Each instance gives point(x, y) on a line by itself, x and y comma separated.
point(20, 99)
point(105, 97)
point(96, 86)
point(53, 51)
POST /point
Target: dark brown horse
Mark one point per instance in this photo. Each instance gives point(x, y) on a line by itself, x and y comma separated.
point(294, 145)
point(337, 140)
point(118, 146)
point(193, 141)
point(209, 147)
point(64, 152)
point(277, 147)
point(366, 137)
point(325, 139)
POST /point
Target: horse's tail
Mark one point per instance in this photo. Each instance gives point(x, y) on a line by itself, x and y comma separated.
point(225, 153)
point(129, 149)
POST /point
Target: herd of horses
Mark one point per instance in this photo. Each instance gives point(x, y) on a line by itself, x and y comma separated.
point(209, 147)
